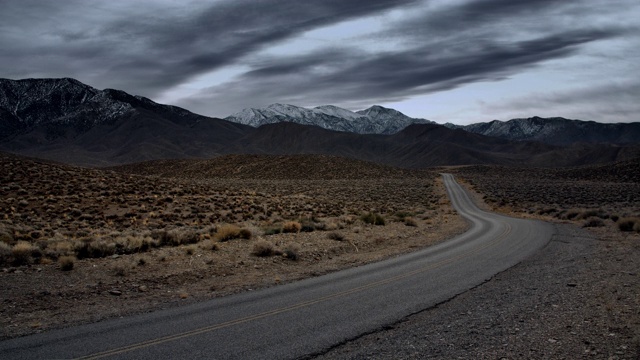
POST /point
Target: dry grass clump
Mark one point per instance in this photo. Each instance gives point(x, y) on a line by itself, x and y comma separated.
point(177, 237)
point(191, 249)
point(227, 232)
point(5, 252)
point(208, 245)
point(263, 248)
point(22, 253)
point(292, 251)
point(593, 222)
point(6, 237)
point(373, 218)
point(409, 221)
point(66, 262)
point(629, 224)
point(291, 227)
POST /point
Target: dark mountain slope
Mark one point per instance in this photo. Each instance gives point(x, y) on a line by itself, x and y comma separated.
point(559, 131)
point(65, 120)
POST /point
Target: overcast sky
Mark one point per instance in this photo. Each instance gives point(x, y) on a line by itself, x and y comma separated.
point(454, 61)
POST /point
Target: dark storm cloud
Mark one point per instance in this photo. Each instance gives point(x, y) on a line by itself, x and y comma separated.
point(354, 77)
point(612, 102)
point(147, 52)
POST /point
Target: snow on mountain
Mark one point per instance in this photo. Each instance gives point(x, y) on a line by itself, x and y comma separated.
point(339, 112)
point(558, 131)
point(375, 120)
point(32, 102)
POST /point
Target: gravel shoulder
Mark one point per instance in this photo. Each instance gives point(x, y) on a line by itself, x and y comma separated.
point(576, 298)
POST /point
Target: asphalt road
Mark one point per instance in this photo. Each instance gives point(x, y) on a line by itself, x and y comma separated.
point(306, 317)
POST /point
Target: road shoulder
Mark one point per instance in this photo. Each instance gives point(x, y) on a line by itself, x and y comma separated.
point(577, 297)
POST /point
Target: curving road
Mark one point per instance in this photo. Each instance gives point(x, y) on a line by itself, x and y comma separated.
point(307, 317)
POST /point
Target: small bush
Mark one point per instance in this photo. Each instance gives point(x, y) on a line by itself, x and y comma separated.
point(246, 234)
point(67, 262)
point(336, 236)
point(209, 245)
point(571, 214)
point(227, 232)
point(6, 237)
point(101, 248)
point(262, 248)
point(593, 222)
point(373, 218)
point(190, 250)
point(410, 222)
point(22, 253)
point(5, 252)
point(401, 215)
point(273, 231)
point(292, 252)
point(627, 224)
point(291, 227)
point(308, 226)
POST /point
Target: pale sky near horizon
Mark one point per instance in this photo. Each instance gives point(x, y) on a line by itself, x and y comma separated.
point(456, 61)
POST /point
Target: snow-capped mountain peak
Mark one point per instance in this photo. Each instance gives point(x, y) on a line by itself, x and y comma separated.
point(375, 120)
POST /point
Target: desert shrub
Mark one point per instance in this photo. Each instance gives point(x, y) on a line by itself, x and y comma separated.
point(246, 234)
point(262, 248)
point(330, 226)
point(208, 245)
point(292, 252)
point(190, 250)
point(570, 214)
point(66, 262)
point(6, 237)
point(307, 226)
point(627, 224)
point(101, 248)
point(227, 232)
point(273, 230)
point(291, 227)
point(593, 222)
point(401, 215)
point(546, 211)
point(591, 213)
point(189, 236)
point(177, 237)
point(336, 236)
point(373, 218)
point(22, 252)
point(5, 252)
point(409, 221)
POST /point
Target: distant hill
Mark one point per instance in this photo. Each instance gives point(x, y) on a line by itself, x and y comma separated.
point(67, 121)
point(276, 167)
point(374, 120)
point(558, 131)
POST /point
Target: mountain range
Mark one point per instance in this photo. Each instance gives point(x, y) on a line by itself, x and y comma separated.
point(557, 131)
point(374, 120)
point(67, 121)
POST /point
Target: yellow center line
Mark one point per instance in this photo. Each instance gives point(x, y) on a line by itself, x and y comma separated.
point(210, 328)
